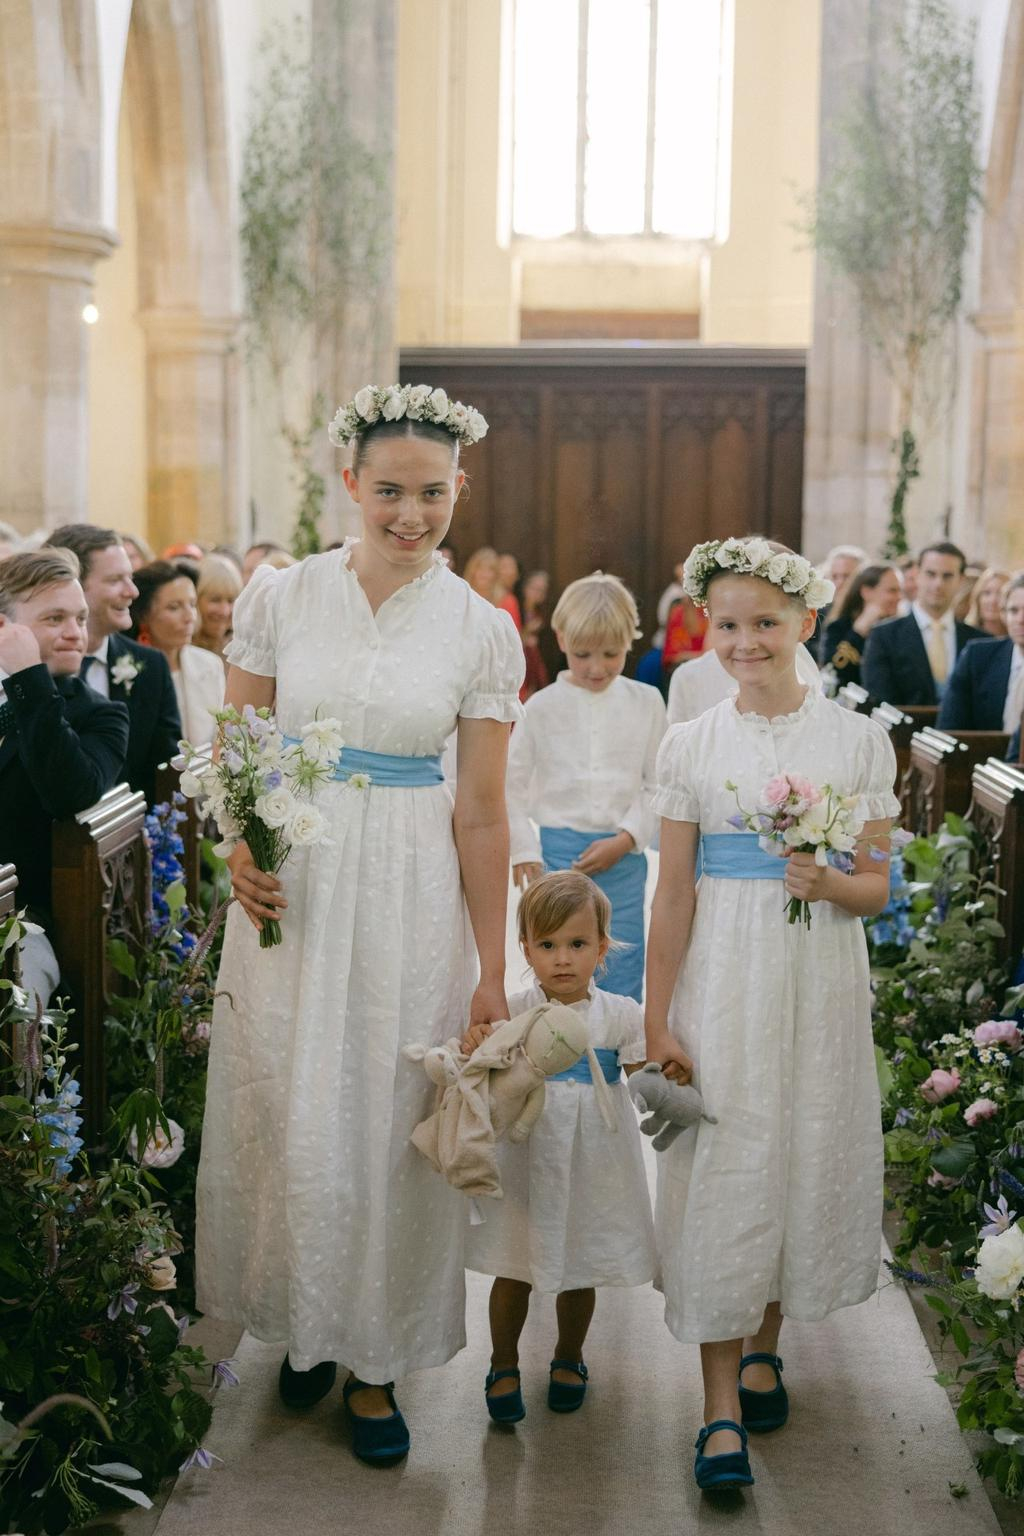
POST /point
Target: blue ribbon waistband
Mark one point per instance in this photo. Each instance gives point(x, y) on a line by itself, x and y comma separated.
point(567, 843)
point(738, 856)
point(384, 770)
point(607, 1060)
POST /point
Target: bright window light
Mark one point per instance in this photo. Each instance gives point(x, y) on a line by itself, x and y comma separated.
point(618, 59)
point(544, 106)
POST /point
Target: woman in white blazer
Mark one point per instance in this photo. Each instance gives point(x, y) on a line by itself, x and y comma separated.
point(164, 615)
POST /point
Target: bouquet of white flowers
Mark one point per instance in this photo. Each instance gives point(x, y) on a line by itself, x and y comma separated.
point(261, 786)
point(795, 816)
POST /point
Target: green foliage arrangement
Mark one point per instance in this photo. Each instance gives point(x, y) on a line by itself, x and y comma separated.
point(892, 214)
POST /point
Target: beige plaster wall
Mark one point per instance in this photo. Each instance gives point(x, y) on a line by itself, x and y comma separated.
point(462, 280)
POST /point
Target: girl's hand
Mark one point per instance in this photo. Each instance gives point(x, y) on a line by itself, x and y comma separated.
point(487, 1009)
point(605, 852)
point(526, 874)
point(805, 879)
point(257, 893)
point(665, 1049)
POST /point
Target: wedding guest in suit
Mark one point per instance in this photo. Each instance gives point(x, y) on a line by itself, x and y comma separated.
point(164, 616)
point(61, 746)
point(907, 567)
point(115, 666)
point(908, 661)
point(986, 606)
point(872, 594)
point(986, 691)
point(217, 587)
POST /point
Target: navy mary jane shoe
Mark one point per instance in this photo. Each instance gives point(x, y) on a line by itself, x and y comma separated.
point(379, 1442)
point(507, 1407)
point(564, 1397)
point(763, 1411)
point(303, 1389)
point(731, 1470)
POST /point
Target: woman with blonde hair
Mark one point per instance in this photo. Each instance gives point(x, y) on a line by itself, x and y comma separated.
point(218, 586)
point(481, 572)
point(986, 605)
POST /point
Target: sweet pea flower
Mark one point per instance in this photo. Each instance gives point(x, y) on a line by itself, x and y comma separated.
point(939, 1085)
point(981, 1109)
point(999, 1218)
point(999, 1032)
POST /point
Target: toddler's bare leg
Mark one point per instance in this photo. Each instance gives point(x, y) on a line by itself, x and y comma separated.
point(720, 1364)
point(509, 1304)
point(574, 1310)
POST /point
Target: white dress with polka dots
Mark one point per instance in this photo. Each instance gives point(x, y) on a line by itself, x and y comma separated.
point(781, 1200)
point(318, 1224)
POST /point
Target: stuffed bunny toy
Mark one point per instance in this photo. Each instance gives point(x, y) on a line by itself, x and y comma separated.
point(672, 1106)
point(498, 1091)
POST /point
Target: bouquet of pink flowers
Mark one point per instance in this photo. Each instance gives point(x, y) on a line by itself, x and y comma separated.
point(261, 786)
point(795, 816)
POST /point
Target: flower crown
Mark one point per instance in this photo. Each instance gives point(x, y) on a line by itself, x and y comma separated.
point(754, 557)
point(416, 402)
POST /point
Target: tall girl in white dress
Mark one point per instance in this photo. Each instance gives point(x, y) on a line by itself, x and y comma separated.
point(318, 1223)
point(775, 1209)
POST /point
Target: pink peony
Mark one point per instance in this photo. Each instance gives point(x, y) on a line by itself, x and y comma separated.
point(776, 791)
point(981, 1109)
point(939, 1180)
point(1018, 1372)
point(804, 790)
point(940, 1085)
point(999, 1032)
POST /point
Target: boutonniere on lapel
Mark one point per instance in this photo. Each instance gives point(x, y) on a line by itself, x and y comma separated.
point(124, 672)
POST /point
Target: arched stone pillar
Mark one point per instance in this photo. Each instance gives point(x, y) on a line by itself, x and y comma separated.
point(175, 93)
point(50, 240)
point(996, 486)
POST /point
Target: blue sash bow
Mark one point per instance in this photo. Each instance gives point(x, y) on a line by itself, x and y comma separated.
point(607, 1060)
point(738, 856)
point(383, 769)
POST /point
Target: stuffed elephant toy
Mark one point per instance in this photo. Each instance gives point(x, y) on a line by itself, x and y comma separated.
point(670, 1107)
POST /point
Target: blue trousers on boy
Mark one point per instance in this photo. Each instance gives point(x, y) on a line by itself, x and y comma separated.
point(624, 885)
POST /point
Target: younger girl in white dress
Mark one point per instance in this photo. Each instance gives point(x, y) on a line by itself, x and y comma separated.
point(581, 766)
point(775, 1210)
point(575, 1211)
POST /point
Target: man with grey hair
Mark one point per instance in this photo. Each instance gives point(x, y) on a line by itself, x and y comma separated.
point(61, 746)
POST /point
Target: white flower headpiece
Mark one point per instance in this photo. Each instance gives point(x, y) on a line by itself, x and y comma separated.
point(754, 557)
point(416, 402)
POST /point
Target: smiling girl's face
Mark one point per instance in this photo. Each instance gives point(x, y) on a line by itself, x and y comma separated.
point(406, 489)
point(755, 629)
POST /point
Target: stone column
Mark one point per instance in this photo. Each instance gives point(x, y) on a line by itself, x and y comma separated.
point(192, 427)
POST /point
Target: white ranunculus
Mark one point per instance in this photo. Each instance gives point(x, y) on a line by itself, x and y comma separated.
point(394, 404)
point(306, 827)
point(438, 403)
point(365, 403)
point(1000, 1267)
point(276, 808)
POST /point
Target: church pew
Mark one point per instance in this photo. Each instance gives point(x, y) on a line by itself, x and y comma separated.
point(901, 724)
point(101, 891)
point(997, 813)
point(853, 696)
point(938, 777)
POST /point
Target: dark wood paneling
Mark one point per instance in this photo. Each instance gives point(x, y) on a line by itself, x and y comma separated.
point(623, 457)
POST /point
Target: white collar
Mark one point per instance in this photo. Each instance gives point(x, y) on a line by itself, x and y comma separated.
point(925, 620)
point(1016, 661)
point(100, 653)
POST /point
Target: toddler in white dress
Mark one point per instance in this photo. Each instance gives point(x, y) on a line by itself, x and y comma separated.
point(576, 1211)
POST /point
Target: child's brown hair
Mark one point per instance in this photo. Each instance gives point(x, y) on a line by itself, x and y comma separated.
point(550, 901)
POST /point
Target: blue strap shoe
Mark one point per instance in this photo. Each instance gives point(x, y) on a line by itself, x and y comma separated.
point(731, 1470)
point(564, 1397)
point(763, 1411)
point(379, 1442)
point(507, 1407)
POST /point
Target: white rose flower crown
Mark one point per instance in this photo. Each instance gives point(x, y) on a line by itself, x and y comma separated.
point(754, 557)
point(414, 402)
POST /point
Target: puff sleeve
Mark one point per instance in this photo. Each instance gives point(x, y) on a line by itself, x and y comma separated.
point(493, 693)
point(253, 645)
point(876, 772)
point(676, 796)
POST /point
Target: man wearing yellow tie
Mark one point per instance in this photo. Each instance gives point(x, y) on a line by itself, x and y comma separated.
point(908, 661)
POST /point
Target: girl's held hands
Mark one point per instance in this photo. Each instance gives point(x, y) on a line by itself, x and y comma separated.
point(806, 880)
point(488, 1008)
point(665, 1049)
point(257, 893)
point(526, 874)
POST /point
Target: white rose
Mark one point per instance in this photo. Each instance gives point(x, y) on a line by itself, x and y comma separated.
point(778, 569)
point(759, 552)
point(275, 809)
point(800, 574)
point(820, 592)
point(161, 1274)
point(438, 404)
point(458, 415)
point(477, 425)
point(365, 403)
point(1000, 1267)
point(727, 552)
point(419, 394)
point(307, 827)
point(394, 405)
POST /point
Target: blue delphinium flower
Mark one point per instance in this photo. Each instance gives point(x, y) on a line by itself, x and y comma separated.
point(58, 1115)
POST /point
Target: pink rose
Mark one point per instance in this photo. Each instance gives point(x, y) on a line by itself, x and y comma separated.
point(999, 1032)
point(939, 1180)
point(804, 790)
point(981, 1109)
point(940, 1085)
point(1018, 1372)
point(776, 791)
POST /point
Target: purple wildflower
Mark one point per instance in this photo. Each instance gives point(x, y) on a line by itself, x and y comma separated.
point(200, 1458)
point(878, 854)
point(999, 1218)
point(223, 1375)
point(273, 780)
point(736, 821)
point(124, 1301)
point(903, 1117)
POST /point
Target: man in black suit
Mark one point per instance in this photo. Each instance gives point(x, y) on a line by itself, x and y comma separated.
point(61, 747)
point(909, 661)
point(119, 668)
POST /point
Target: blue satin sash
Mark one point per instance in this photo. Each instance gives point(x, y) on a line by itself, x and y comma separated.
point(383, 769)
point(738, 856)
point(607, 1060)
point(624, 885)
